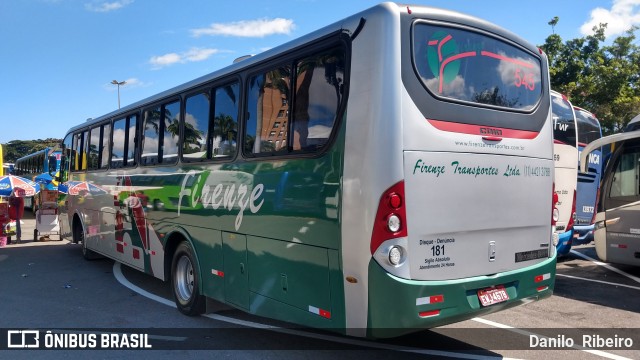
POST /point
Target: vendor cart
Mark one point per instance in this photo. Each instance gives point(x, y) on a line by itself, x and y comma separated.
point(4, 221)
point(47, 214)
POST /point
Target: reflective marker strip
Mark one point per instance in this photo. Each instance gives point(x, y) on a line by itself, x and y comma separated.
point(425, 314)
point(217, 272)
point(619, 246)
point(429, 300)
point(323, 313)
point(539, 278)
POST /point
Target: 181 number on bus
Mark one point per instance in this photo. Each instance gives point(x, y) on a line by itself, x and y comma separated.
point(437, 250)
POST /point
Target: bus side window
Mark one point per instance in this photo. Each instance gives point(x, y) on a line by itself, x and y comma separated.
point(225, 122)
point(268, 104)
point(625, 177)
point(195, 127)
point(150, 136)
point(317, 98)
point(119, 142)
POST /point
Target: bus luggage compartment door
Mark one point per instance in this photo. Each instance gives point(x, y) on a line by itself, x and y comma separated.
point(236, 270)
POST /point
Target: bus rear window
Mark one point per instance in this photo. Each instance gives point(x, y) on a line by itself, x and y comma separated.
point(471, 67)
point(588, 127)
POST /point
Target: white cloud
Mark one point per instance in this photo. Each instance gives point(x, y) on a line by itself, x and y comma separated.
point(105, 6)
point(129, 83)
point(248, 28)
point(192, 55)
point(622, 16)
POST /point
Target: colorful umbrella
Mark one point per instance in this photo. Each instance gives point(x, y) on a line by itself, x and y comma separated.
point(46, 181)
point(24, 187)
point(79, 187)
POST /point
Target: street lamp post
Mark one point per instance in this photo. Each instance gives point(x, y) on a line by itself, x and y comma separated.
point(115, 82)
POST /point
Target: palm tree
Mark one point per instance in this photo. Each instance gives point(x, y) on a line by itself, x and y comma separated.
point(225, 127)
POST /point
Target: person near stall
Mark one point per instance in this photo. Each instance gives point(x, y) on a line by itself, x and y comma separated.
point(16, 209)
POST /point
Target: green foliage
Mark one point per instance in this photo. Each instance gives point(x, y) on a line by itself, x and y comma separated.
point(16, 149)
point(597, 76)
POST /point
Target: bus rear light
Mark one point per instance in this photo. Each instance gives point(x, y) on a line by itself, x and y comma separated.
point(390, 221)
point(395, 255)
point(555, 213)
point(393, 223)
point(572, 219)
point(395, 201)
point(430, 313)
point(542, 288)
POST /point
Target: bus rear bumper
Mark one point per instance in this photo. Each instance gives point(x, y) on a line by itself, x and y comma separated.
point(585, 234)
point(565, 240)
point(399, 306)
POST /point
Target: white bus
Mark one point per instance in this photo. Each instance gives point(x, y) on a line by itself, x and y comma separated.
point(385, 158)
point(617, 220)
point(565, 156)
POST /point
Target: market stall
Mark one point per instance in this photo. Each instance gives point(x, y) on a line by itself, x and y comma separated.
point(47, 214)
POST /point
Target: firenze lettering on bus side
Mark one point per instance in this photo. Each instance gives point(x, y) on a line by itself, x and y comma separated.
point(228, 200)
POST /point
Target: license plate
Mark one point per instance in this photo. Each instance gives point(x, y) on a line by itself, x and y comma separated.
point(493, 295)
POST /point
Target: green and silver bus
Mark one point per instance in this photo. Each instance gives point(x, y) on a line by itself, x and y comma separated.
point(388, 173)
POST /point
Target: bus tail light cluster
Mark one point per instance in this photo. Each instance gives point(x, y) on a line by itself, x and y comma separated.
point(390, 221)
point(572, 219)
point(555, 213)
point(540, 278)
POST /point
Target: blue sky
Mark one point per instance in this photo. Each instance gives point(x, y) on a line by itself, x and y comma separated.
point(58, 57)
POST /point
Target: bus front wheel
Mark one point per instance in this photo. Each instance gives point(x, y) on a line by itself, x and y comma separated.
point(78, 237)
point(185, 281)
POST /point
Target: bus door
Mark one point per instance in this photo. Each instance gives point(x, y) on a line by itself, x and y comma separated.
point(622, 207)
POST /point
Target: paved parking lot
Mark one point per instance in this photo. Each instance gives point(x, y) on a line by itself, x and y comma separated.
point(590, 296)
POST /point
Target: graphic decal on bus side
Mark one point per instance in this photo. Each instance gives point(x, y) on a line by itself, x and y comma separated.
point(138, 244)
point(225, 195)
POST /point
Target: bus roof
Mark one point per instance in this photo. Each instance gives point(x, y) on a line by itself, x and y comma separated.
point(347, 26)
point(604, 141)
point(635, 119)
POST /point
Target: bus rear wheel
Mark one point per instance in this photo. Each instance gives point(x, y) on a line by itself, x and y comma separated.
point(185, 281)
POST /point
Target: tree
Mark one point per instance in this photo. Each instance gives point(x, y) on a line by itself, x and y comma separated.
point(553, 23)
point(598, 77)
point(15, 149)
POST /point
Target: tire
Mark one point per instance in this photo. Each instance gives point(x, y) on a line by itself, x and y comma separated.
point(78, 237)
point(185, 281)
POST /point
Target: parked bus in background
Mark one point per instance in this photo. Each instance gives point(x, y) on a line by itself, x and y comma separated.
point(588, 182)
point(617, 221)
point(565, 156)
point(35, 166)
point(366, 178)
